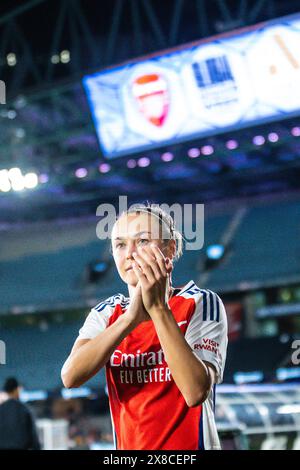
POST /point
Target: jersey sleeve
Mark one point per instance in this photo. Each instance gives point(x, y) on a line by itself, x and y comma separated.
point(96, 321)
point(207, 331)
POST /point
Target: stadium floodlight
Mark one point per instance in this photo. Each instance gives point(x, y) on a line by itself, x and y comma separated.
point(30, 180)
point(96, 270)
point(16, 179)
point(14, 173)
point(11, 59)
point(193, 153)
point(17, 184)
point(104, 168)
point(295, 131)
point(5, 188)
point(214, 255)
point(11, 114)
point(143, 162)
point(258, 140)
point(232, 144)
point(207, 150)
point(273, 137)
point(131, 163)
point(43, 178)
point(5, 184)
point(65, 56)
point(167, 157)
point(215, 252)
point(20, 133)
point(81, 172)
point(20, 102)
point(55, 59)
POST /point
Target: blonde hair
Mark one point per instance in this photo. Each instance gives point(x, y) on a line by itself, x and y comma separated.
point(164, 218)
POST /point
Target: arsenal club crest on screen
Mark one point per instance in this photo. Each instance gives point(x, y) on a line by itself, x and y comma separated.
point(152, 97)
point(153, 103)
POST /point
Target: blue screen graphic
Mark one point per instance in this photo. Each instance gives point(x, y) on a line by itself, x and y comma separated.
point(204, 89)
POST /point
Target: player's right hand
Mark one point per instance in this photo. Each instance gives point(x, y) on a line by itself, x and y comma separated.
point(136, 310)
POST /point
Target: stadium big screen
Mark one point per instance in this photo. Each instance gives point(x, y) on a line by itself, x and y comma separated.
point(201, 89)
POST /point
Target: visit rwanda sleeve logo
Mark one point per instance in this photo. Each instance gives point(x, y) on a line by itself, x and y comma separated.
point(207, 344)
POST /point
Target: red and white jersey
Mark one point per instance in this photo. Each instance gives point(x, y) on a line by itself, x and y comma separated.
point(148, 410)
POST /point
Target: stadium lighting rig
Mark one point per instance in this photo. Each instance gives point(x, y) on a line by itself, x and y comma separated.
point(13, 179)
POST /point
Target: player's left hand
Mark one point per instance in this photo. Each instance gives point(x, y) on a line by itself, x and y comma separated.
point(152, 269)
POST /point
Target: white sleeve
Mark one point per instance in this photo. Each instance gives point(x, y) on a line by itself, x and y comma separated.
point(207, 331)
point(95, 322)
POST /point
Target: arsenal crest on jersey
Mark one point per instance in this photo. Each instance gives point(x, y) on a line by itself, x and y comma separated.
point(151, 94)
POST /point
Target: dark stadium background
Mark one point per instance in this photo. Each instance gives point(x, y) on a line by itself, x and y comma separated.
point(53, 268)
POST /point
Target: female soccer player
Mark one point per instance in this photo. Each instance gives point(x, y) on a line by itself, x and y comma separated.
point(164, 348)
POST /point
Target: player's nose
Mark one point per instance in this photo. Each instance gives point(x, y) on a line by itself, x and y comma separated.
point(130, 249)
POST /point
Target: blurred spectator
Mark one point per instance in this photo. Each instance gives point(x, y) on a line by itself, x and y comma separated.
point(17, 427)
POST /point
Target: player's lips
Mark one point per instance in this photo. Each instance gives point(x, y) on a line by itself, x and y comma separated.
point(128, 269)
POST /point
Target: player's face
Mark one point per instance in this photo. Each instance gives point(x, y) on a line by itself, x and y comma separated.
point(130, 233)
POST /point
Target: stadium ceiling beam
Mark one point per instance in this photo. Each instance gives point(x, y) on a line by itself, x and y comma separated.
point(19, 10)
point(202, 18)
point(83, 25)
point(153, 20)
point(254, 12)
point(137, 27)
point(56, 38)
point(175, 21)
point(225, 11)
point(113, 32)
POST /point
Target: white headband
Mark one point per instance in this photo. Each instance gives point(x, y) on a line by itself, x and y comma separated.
point(148, 210)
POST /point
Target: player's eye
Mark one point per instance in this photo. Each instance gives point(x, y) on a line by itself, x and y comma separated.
point(143, 241)
point(120, 245)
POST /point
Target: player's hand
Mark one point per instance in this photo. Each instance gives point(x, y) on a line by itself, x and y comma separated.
point(152, 269)
point(136, 312)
